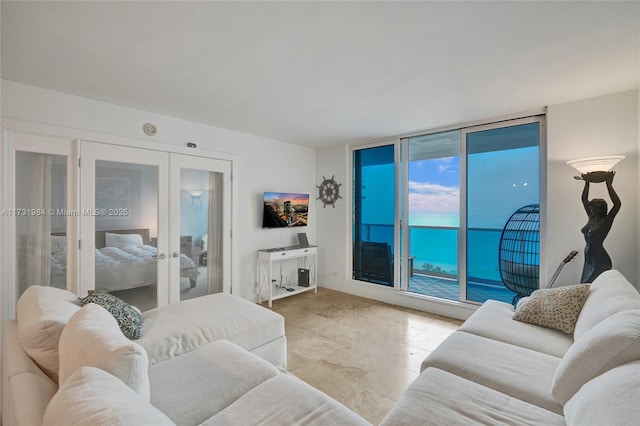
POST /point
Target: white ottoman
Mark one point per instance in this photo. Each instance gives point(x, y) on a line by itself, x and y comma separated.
point(172, 330)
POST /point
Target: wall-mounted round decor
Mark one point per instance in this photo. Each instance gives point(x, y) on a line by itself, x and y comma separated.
point(329, 191)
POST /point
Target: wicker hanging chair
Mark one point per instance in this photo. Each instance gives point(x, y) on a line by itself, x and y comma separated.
point(519, 253)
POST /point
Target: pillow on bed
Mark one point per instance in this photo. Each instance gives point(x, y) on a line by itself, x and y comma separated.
point(58, 244)
point(122, 240)
point(129, 317)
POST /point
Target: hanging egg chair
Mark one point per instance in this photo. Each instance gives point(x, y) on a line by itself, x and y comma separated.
point(519, 253)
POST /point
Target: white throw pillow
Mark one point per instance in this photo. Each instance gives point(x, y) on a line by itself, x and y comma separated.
point(122, 240)
point(92, 338)
point(42, 313)
point(94, 397)
point(613, 342)
point(611, 399)
point(610, 293)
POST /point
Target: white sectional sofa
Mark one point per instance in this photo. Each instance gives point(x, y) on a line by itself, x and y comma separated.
point(217, 359)
point(495, 370)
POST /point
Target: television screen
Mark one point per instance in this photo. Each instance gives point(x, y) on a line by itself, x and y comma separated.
point(285, 210)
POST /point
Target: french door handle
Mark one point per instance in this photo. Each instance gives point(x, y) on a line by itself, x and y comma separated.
point(159, 256)
point(175, 254)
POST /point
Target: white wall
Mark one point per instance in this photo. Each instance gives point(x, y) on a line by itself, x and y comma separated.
point(605, 125)
point(263, 164)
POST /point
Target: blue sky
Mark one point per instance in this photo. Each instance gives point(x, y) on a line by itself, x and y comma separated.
point(434, 186)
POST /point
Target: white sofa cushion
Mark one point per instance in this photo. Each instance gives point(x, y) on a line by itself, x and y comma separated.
point(92, 397)
point(286, 400)
point(92, 338)
point(494, 320)
point(42, 313)
point(611, 399)
point(193, 387)
point(172, 330)
point(610, 293)
point(442, 398)
point(613, 342)
point(518, 372)
point(556, 308)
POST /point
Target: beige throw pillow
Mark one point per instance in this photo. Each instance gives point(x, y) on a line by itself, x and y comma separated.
point(92, 338)
point(556, 308)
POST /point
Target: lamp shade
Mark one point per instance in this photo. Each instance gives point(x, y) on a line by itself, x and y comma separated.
point(596, 164)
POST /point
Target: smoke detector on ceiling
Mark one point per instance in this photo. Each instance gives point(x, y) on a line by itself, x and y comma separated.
point(150, 129)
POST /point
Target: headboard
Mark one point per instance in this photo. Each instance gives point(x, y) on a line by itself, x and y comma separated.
point(100, 235)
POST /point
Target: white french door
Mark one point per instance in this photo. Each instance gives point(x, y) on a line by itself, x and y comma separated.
point(156, 226)
point(200, 226)
point(125, 223)
point(38, 216)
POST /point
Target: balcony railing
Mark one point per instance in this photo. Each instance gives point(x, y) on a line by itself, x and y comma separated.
point(435, 250)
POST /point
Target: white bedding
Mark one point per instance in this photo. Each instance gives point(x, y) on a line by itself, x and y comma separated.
point(123, 268)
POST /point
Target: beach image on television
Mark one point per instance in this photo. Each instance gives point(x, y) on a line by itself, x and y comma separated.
point(285, 210)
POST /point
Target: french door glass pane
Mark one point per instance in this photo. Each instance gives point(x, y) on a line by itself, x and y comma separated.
point(201, 233)
point(126, 224)
point(502, 176)
point(373, 214)
point(434, 214)
point(40, 220)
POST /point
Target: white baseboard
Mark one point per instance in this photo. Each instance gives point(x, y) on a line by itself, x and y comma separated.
point(447, 308)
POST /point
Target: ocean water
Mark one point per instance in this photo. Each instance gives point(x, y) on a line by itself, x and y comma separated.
point(437, 249)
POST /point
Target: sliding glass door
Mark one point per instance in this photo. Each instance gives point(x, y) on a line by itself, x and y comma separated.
point(443, 199)
point(503, 175)
point(434, 214)
point(374, 215)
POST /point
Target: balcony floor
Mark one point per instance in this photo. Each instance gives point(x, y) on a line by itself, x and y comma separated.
point(446, 288)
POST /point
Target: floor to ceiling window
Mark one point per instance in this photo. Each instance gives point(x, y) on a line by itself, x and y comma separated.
point(428, 211)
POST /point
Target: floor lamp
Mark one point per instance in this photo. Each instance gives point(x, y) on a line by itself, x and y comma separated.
point(597, 170)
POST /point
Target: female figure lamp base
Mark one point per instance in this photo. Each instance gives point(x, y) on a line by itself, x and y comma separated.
point(596, 258)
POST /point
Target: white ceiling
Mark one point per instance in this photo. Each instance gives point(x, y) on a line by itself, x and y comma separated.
point(325, 73)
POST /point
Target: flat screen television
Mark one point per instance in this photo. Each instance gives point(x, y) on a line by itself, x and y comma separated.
point(285, 210)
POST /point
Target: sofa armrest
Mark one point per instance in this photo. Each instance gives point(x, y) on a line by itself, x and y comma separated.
point(26, 390)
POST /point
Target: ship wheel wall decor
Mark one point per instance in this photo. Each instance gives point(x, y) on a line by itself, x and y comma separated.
point(329, 191)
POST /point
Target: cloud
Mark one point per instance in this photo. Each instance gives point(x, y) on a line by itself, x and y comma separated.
point(429, 197)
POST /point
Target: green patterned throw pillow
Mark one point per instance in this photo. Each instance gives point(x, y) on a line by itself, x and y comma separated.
point(129, 317)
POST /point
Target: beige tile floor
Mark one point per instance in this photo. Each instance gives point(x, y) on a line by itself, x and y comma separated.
point(359, 351)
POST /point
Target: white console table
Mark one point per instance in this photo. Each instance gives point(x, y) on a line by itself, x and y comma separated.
point(270, 290)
